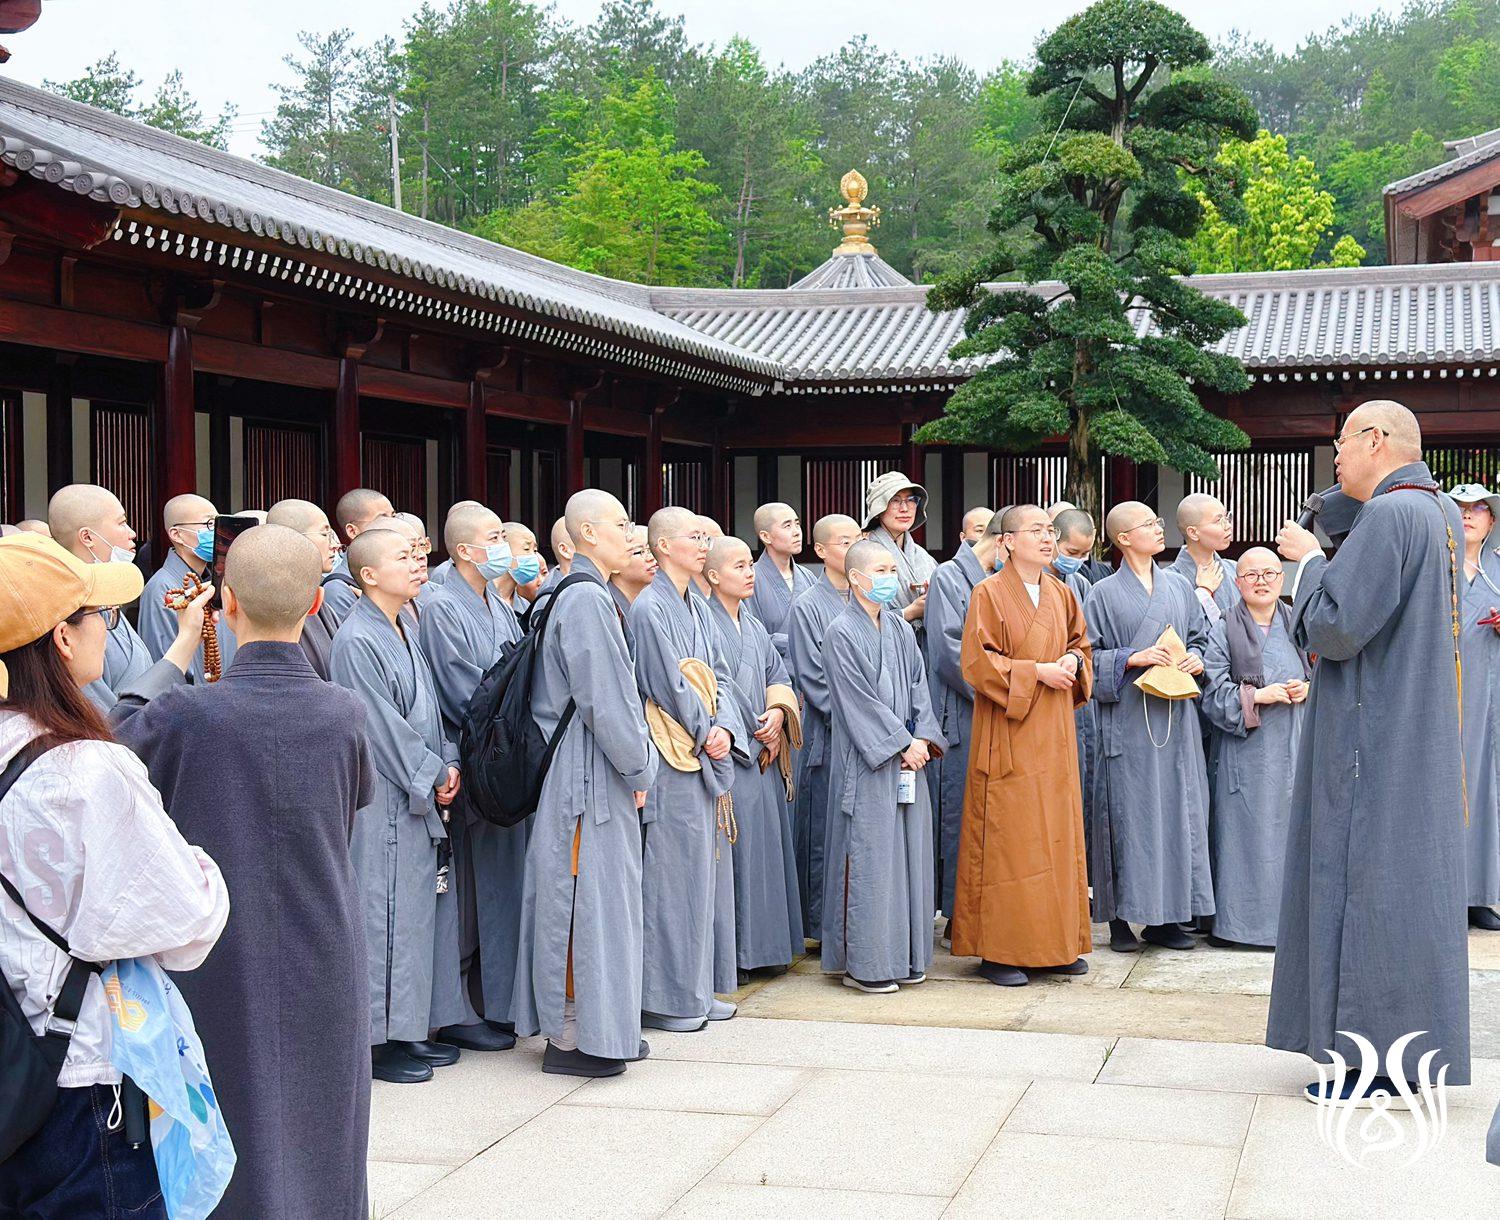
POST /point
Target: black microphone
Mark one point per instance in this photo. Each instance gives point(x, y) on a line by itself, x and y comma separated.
point(1311, 507)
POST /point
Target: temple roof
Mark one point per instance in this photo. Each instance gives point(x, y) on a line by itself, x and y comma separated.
point(853, 322)
point(1463, 154)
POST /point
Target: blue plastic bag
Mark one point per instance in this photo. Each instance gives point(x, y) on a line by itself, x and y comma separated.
point(155, 1044)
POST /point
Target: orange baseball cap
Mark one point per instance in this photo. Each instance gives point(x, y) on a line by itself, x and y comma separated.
point(41, 584)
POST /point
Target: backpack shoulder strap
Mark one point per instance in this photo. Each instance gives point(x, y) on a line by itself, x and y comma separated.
point(20, 761)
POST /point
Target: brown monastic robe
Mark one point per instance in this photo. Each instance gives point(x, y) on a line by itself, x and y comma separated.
point(1022, 895)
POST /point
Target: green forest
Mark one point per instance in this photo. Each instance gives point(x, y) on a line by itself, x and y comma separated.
point(623, 148)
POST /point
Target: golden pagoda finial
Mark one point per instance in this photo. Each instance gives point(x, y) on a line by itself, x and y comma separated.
point(854, 218)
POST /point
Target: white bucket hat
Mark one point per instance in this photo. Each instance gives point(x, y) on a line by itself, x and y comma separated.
point(1476, 493)
point(883, 490)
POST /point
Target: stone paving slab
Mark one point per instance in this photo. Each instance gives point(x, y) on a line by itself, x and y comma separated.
point(705, 1088)
point(1130, 1112)
point(718, 1200)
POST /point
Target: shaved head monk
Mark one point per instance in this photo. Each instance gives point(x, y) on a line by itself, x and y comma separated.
point(779, 581)
point(355, 512)
point(266, 770)
point(189, 523)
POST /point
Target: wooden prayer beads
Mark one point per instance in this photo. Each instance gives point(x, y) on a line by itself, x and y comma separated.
point(178, 599)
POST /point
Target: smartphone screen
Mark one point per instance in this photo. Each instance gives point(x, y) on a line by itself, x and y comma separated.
point(226, 530)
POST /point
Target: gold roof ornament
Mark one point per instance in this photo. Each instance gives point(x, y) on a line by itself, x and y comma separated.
point(854, 218)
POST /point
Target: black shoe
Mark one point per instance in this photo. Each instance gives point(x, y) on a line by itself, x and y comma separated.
point(1484, 917)
point(1121, 938)
point(481, 1037)
point(1001, 975)
point(388, 1062)
point(1077, 966)
point(643, 1053)
point(431, 1053)
point(502, 1027)
point(557, 1062)
point(1168, 936)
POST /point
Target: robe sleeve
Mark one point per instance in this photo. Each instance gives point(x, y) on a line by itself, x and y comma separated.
point(661, 679)
point(1223, 699)
point(591, 648)
point(1078, 641)
point(945, 631)
point(133, 697)
point(1008, 682)
point(877, 732)
point(1343, 602)
point(928, 728)
point(397, 750)
point(1110, 673)
point(339, 598)
point(455, 670)
point(728, 715)
point(156, 625)
point(808, 674)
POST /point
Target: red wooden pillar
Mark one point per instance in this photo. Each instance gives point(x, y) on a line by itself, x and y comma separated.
point(476, 446)
point(344, 435)
point(575, 444)
point(1122, 478)
point(176, 444)
point(651, 476)
point(718, 494)
point(60, 425)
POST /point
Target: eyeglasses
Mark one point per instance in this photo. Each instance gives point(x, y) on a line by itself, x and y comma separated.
point(422, 546)
point(325, 534)
point(1268, 577)
point(695, 539)
point(1340, 441)
point(1041, 531)
point(628, 527)
point(110, 615)
point(1225, 518)
point(903, 501)
point(1156, 521)
point(182, 525)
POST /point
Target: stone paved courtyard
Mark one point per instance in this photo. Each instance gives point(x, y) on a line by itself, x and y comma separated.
point(1140, 1089)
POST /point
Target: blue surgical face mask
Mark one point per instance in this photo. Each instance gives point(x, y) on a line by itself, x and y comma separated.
point(496, 562)
point(1066, 564)
point(205, 545)
point(882, 590)
point(526, 569)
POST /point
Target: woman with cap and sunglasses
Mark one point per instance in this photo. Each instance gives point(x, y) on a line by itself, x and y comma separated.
point(894, 506)
point(1480, 644)
point(87, 846)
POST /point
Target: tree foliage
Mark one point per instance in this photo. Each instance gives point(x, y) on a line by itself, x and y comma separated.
point(1096, 213)
point(109, 86)
point(1288, 216)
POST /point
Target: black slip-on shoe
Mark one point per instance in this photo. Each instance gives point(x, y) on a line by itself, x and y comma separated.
point(481, 1037)
point(556, 1062)
point(433, 1054)
point(394, 1066)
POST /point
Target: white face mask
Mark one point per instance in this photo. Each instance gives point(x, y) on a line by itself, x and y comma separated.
point(117, 554)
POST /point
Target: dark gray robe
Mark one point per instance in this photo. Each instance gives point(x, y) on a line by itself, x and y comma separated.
point(1373, 935)
point(953, 702)
point(158, 625)
point(682, 814)
point(1481, 651)
point(397, 835)
point(877, 919)
point(265, 770)
point(811, 615)
point(317, 640)
point(339, 593)
point(772, 600)
point(438, 576)
point(1225, 596)
point(767, 905)
point(126, 658)
point(1150, 836)
point(914, 566)
point(1255, 759)
point(462, 637)
point(593, 913)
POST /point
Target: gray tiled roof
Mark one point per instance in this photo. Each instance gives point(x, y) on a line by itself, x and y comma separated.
point(112, 159)
point(1463, 154)
point(852, 271)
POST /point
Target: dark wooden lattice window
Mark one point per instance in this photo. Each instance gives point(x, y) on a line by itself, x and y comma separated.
point(684, 482)
point(837, 485)
point(282, 461)
point(496, 492)
point(397, 467)
point(1261, 490)
point(121, 448)
point(1038, 478)
point(1454, 464)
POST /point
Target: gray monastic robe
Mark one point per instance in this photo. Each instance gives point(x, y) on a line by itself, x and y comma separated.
point(1225, 595)
point(126, 658)
point(462, 636)
point(772, 600)
point(582, 896)
point(317, 640)
point(339, 593)
point(1256, 753)
point(914, 566)
point(158, 625)
point(877, 921)
point(1373, 935)
point(396, 836)
point(953, 703)
point(265, 770)
point(1481, 652)
point(767, 906)
point(1150, 836)
point(622, 604)
point(811, 615)
point(438, 576)
point(1492, 1143)
point(682, 812)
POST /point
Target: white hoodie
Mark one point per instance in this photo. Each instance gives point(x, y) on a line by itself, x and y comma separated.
point(84, 838)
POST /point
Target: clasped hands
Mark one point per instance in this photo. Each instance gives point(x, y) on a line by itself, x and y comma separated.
point(769, 732)
point(1060, 674)
point(1146, 658)
point(1294, 691)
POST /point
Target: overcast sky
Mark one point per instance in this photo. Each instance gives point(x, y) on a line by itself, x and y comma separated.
point(237, 58)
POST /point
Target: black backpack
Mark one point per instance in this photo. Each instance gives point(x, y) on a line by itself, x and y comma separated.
point(28, 1085)
point(503, 756)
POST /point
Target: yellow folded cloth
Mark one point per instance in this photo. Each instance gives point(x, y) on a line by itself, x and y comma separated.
point(676, 744)
point(785, 698)
point(1167, 681)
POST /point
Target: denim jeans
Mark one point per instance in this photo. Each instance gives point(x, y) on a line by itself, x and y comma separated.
point(75, 1167)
